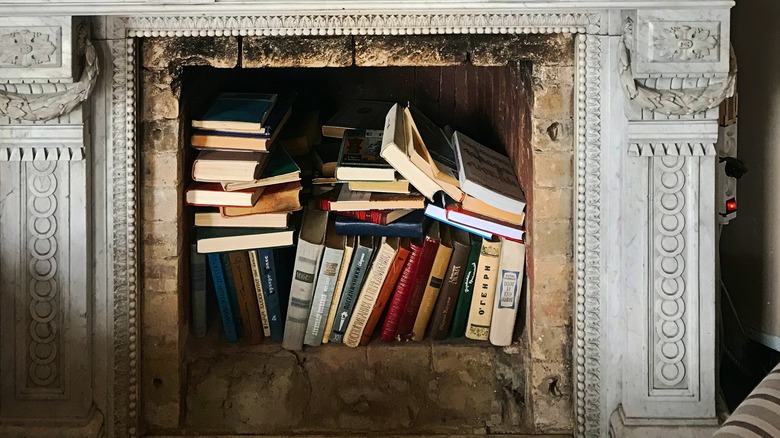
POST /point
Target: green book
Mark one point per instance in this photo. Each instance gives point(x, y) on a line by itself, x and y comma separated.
point(221, 239)
point(279, 169)
point(243, 112)
point(461, 315)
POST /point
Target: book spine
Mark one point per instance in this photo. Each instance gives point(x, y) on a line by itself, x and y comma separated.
point(384, 295)
point(246, 296)
point(448, 296)
point(307, 262)
point(368, 295)
point(271, 293)
point(435, 282)
point(401, 294)
point(506, 300)
point(257, 276)
point(198, 306)
point(221, 291)
point(323, 295)
point(406, 324)
point(337, 291)
point(352, 287)
point(378, 217)
point(231, 292)
point(460, 315)
point(481, 311)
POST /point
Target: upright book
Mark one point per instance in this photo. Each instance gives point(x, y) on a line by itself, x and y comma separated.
point(323, 289)
point(338, 288)
point(361, 261)
point(430, 247)
point(434, 284)
point(232, 297)
point(311, 244)
point(402, 291)
point(242, 112)
point(370, 291)
point(198, 293)
point(359, 158)
point(460, 316)
point(357, 114)
point(481, 311)
point(220, 287)
point(448, 296)
point(391, 280)
point(246, 296)
point(257, 277)
point(506, 302)
point(275, 267)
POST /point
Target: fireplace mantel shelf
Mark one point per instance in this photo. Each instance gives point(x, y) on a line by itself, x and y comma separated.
point(648, 78)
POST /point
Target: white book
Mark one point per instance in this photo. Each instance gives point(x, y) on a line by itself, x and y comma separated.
point(323, 290)
point(370, 291)
point(507, 297)
point(349, 248)
point(481, 311)
point(311, 244)
point(487, 175)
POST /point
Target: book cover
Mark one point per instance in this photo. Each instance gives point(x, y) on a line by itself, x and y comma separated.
point(487, 175)
point(442, 174)
point(257, 277)
point(230, 284)
point(211, 217)
point(361, 261)
point(391, 280)
point(198, 293)
point(481, 312)
point(359, 157)
point(280, 169)
point(494, 226)
point(272, 268)
point(370, 290)
point(220, 239)
point(448, 296)
point(428, 256)
point(396, 145)
point(506, 301)
point(221, 291)
point(311, 244)
point(475, 205)
point(213, 195)
point(342, 198)
point(357, 114)
point(323, 289)
point(434, 284)
point(460, 316)
point(246, 296)
point(274, 199)
point(338, 288)
point(435, 210)
point(217, 166)
point(397, 186)
point(237, 111)
point(401, 293)
point(412, 225)
point(380, 217)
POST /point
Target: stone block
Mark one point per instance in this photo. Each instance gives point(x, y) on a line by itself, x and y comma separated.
point(299, 51)
point(162, 204)
point(552, 134)
point(419, 50)
point(160, 268)
point(158, 101)
point(552, 392)
point(497, 50)
point(550, 344)
point(553, 203)
point(162, 170)
point(554, 169)
point(169, 53)
point(553, 89)
point(161, 315)
point(552, 238)
point(161, 389)
point(162, 135)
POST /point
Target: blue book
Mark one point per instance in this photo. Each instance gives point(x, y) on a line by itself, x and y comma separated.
point(245, 112)
point(412, 225)
point(361, 262)
point(220, 288)
point(436, 211)
point(231, 292)
point(276, 272)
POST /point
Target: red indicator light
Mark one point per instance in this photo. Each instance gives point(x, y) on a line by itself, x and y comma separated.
point(731, 205)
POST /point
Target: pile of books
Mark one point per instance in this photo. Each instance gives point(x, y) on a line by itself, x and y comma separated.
point(410, 232)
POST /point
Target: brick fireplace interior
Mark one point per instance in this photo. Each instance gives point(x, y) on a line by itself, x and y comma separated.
point(513, 92)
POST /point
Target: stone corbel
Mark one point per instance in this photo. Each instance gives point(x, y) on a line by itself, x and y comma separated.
point(663, 46)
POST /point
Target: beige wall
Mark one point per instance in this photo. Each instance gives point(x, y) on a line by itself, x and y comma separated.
point(750, 246)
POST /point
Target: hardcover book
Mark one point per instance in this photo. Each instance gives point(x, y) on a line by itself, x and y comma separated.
point(487, 175)
point(506, 301)
point(246, 296)
point(230, 284)
point(280, 169)
point(358, 114)
point(401, 292)
point(361, 261)
point(323, 289)
point(448, 296)
point(274, 199)
point(424, 135)
point(220, 287)
point(481, 311)
point(359, 158)
point(475, 205)
point(211, 217)
point(276, 270)
point(391, 280)
point(217, 166)
point(370, 290)
point(434, 284)
point(343, 199)
point(341, 278)
point(380, 217)
point(461, 314)
point(257, 277)
point(412, 225)
point(398, 186)
point(238, 112)
point(311, 244)
point(198, 293)
point(435, 210)
point(493, 226)
point(213, 195)
point(214, 239)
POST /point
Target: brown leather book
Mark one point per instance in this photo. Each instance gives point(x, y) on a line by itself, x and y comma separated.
point(428, 256)
point(247, 297)
point(434, 284)
point(448, 296)
point(401, 293)
point(396, 268)
point(275, 199)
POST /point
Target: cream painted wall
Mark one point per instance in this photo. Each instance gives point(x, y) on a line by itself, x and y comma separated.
point(750, 245)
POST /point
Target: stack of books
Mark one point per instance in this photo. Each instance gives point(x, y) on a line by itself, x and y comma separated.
point(244, 191)
point(411, 232)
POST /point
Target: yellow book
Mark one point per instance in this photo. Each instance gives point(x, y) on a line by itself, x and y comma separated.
point(481, 312)
point(435, 281)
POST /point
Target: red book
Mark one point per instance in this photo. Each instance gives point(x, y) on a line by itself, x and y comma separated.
point(401, 294)
point(409, 315)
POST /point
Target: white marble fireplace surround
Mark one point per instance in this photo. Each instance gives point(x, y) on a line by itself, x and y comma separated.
point(649, 77)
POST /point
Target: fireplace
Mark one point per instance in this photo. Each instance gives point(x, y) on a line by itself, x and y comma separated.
point(616, 110)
